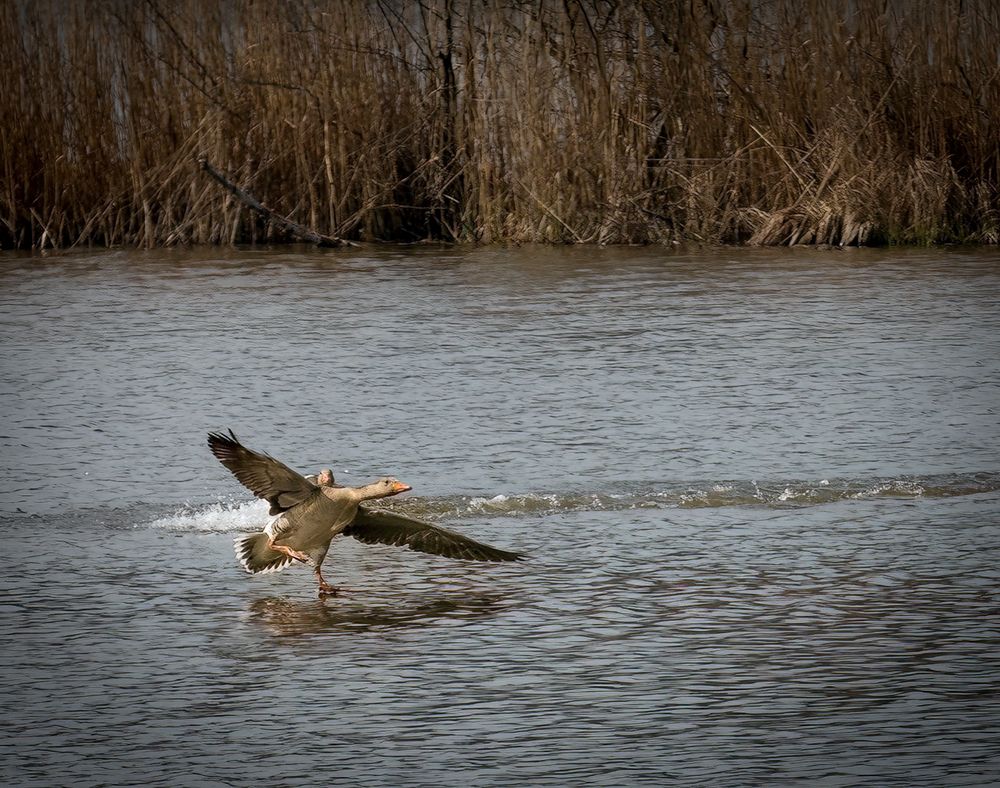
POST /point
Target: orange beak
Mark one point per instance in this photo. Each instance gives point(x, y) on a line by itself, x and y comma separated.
point(399, 487)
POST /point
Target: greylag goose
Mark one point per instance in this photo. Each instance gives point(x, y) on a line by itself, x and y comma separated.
point(308, 512)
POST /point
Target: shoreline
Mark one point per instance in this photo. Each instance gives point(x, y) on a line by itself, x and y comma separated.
point(669, 249)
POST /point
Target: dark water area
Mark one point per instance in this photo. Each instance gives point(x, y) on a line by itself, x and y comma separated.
point(760, 491)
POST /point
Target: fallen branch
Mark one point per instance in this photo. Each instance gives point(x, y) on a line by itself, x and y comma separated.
point(251, 202)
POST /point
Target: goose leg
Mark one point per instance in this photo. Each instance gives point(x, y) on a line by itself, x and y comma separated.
point(281, 548)
point(325, 589)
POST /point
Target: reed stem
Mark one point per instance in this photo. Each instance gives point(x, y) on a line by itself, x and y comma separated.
point(826, 122)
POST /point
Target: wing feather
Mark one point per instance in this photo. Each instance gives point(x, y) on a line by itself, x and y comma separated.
point(377, 526)
point(264, 476)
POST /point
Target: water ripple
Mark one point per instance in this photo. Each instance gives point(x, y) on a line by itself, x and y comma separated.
point(759, 492)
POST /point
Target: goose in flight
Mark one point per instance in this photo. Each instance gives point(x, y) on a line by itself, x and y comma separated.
point(308, 512)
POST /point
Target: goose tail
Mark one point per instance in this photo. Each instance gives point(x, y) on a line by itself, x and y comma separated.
point(256, 557)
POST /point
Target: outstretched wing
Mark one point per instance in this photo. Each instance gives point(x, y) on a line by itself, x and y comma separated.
point(379, 526)
point(264, 476)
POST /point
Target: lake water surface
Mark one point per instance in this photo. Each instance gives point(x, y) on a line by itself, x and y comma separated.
point(760, 491)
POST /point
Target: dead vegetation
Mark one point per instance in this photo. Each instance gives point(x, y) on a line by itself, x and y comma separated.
point(720, 121)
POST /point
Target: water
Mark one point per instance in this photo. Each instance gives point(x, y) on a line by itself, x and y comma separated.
point(760, 491)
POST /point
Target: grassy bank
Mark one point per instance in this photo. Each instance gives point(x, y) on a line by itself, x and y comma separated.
point(761, 121)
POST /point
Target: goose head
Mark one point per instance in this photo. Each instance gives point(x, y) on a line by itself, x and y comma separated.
point(383, 488)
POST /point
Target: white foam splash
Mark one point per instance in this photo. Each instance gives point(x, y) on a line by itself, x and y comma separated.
point(528, 503)
point(898, 487)
point(788, 495)
point(217, 518)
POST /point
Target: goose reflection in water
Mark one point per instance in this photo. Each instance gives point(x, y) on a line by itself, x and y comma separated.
point(286, 616)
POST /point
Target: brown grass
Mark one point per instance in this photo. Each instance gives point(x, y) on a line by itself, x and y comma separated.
point(768, 121)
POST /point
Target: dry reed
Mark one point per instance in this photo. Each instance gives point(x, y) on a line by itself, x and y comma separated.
point(768, 121)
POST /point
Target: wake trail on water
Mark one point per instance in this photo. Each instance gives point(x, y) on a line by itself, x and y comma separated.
point(252, 515)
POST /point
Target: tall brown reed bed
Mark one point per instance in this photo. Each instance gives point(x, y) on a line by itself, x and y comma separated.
point(768, 121)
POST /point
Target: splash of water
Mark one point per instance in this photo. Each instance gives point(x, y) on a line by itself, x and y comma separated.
point(252, 515)
point(217, 517)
